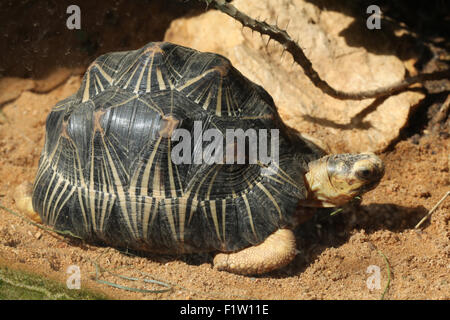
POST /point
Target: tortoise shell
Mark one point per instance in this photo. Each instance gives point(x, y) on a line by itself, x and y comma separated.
point(106, 172)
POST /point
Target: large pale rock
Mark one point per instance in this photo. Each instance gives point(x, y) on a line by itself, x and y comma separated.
point(11, 88)
point(302, 105)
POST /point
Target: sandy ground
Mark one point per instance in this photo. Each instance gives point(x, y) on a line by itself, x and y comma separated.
point(335, 252)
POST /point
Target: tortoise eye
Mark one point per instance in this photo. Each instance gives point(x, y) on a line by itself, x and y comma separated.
point(365, 173)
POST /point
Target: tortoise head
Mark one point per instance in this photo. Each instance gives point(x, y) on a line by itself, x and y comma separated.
point(333, 180)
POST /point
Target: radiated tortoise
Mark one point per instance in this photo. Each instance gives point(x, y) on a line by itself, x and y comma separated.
point(108, 173)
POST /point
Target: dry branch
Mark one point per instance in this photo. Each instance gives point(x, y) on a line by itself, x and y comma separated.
point(289, 45)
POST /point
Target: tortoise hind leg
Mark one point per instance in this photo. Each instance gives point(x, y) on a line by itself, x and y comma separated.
point(278, 250)
point(22, 197)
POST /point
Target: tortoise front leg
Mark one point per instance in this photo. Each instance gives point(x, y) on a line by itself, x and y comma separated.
point(22, 197)
point(278, 250)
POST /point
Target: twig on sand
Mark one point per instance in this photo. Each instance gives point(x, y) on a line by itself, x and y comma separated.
point(386, 288)
point(432, 210)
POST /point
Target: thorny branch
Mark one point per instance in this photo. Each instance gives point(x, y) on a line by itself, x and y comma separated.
point(289, 45)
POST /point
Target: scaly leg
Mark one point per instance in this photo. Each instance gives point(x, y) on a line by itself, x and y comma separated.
point(278, 250)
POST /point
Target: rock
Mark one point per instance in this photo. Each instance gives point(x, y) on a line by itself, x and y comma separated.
point(11, 88)
point(55, 78)
point(302, 105)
